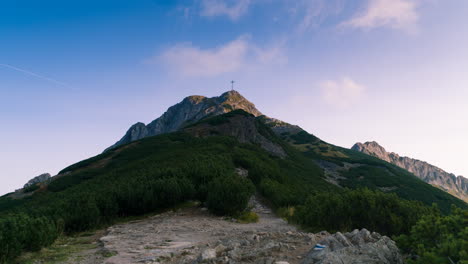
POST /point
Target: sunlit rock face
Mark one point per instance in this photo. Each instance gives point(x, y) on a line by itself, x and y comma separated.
point(190, 110)
point(455, 185)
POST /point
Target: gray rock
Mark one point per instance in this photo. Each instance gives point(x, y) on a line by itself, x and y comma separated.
point(208, 254)
point(38, 179)
point(220, 249)
point(194, 108)
point(190, 110)
point(455, 185)
point(242, 172)
point(244, 128)
point(355, 247)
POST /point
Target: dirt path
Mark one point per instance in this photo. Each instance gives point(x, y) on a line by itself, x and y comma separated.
point(193, 235)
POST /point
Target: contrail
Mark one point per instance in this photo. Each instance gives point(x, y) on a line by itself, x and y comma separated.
point(34, 74)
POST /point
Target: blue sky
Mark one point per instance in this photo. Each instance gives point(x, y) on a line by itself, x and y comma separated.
point(74, 75)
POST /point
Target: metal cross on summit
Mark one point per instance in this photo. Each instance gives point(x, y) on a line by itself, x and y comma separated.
point(232, 85)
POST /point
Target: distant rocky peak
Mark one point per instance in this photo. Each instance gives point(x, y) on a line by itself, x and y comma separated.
point(190, 110)
point(232, 96)
point(236, 101)
point(369, 145)
point(195, 99)
point(38, 179)
point(372, 148)
point(457, 186)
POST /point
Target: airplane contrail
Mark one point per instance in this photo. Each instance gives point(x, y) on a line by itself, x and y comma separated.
point(34, 74)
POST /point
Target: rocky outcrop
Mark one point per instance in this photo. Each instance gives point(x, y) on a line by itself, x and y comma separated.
point(457, 186)
point(190, 110)
point(38, 179)
point(361, 247)
point(242, 126)
point(280, 127)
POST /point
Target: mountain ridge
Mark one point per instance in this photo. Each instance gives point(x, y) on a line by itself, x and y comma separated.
point(455, 185)
point(190, 110)
point(194, 110)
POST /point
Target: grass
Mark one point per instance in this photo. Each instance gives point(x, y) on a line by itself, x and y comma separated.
point(62, 250)
point(286, 213)
point(248, 217)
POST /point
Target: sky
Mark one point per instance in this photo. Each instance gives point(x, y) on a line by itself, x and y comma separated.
point(75, 75)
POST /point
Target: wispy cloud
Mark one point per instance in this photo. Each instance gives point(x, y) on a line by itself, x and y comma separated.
point(33, 74)
point(314, 12)
point(397, 14)
point(341, 93)
point(232, 9)
point(188, 60)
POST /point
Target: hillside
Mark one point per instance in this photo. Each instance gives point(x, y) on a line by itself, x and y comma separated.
point(455, 185)
point(314, 184)
point(295, 163)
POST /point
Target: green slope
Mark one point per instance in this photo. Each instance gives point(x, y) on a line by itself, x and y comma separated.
point(370, 172)
point(159, 172)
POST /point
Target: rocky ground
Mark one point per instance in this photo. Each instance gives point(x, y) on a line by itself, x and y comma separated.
point(193, 235)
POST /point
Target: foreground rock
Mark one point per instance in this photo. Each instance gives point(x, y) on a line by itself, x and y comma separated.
point(195, 236)
point(355, 247)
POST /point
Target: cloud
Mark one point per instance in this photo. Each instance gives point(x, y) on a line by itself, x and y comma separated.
point(314, 12)
point(188, 60)
point(213, 8)
point(341, 93)
point(397, 14)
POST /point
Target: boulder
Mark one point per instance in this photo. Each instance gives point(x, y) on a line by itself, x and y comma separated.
point(208, 254)
point(359, 246)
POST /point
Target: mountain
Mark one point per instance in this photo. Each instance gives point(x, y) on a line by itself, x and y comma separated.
point(231, 115)
point(190, 110)
point(457, 186)
point(200, 146)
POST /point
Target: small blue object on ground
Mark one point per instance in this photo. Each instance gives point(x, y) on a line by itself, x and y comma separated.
point(319, 247)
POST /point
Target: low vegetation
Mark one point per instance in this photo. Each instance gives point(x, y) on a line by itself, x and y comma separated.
point(160, 172)
point(247, 217)
point(63, 248)
point(229, 195)
point(436, 238)
point(355, 209)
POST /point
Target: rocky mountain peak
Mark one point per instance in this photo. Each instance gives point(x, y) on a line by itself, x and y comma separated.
point(38, 179)
point(235, 100)
point(195, 99)
point(372, 148)
point(457, 186)
point(232, 95)
point(190, 110)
